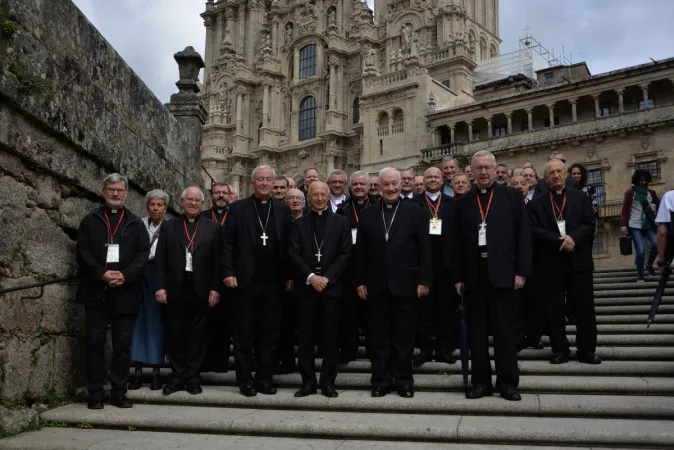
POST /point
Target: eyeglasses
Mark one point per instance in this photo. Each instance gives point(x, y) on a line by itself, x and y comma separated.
point(483, 168)
point(114, 191)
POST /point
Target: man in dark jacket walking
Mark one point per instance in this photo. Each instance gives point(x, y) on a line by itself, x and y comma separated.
point(112, 249)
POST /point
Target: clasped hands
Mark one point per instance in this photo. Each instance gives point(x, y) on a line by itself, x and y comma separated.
point(113, 278)
point(567, 244)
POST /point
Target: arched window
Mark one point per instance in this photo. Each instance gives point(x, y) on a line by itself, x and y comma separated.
point(471, 43)
point(398, 121)
point(483, 48)
point(307, 118)
point(308, 61)
point(356, 110)
point(492, 51)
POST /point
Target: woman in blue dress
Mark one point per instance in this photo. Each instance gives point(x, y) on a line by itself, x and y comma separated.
point(148, 334)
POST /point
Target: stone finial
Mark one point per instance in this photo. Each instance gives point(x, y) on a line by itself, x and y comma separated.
point(190, 63)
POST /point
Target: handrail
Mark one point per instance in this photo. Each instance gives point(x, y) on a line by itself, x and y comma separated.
point(41, 285)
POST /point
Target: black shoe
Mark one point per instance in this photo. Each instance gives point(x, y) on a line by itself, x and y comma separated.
point(538, 345)
point(136, 381)
point(120, 401)
point(95, 401)
point(194, 388)
point(444, 357)
point(560, 357)
point(172, 388)
point(479, 392)
point(650, 270)
point(156, 383)
point(266, 389)
point(285, 368)
point(570, 320)
point(406, 391)
point(346, 356)
point(510, 393)
point(329, 391)
point(247, 390)
point(422, 358)
point(380, 391)
point(588, 358)
point(306, 390)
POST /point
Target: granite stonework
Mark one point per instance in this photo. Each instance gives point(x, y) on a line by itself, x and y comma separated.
point(72, 111)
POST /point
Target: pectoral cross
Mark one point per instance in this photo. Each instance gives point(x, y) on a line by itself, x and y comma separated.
point(264, 238)
point(318, 255)
point(434, 221)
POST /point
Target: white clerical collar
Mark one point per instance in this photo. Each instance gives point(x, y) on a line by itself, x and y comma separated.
point(361, 202)
point(320, 213)
point(191, 220)
point(114, 211)
point(410, 195)
point(389, 205)
point(220, 211)
point(339, 199)
point(433, 195)
point(559, 192)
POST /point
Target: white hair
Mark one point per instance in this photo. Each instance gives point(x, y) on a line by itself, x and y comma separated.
point(184, 193)
point(545, 170)
point(341, 173)
point(115, 178)
point(358, 173)
point(386, 170)
point(156, 193)
point(481, 154)
point(262, 167)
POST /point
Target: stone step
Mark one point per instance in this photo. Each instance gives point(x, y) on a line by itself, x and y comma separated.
point(641, 310)
point(622, 301)
point(625, 279)
point(638, 291)
point(105, 439)
point(627, 286)
point(635, 318)
point(655, 328)
point(395, 426)
point(622, 269)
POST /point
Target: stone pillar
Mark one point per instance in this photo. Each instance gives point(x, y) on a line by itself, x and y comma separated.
point(470, 131)
point(551, 110)
point(489, 128)
point(330, 161)
point(236, 184)
point(239, 104)
point(574, 110)
point(341, 107)
point(451, 134)
point(210, 32)
point(274, 36)
point(242, 27)
point(644, 88)
point(265, 106)
point(296, 63)
point(597, 111)
point(509, 116)
point(340, 10)
point(530, 119)
point(333, 83)
point(621, 103)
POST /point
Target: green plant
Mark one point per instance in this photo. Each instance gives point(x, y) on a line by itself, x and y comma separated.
point(53, 399)
point(85, 426)
point(8, 28)
point(131, 428)
point(57, 424)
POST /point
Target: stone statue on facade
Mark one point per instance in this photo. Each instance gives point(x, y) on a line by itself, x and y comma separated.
point(405, 37)
point(288, 33)
point(371, 63)
point(414, 45)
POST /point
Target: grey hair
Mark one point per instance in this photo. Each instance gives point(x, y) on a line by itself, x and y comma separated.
point(408, 169)
point(358, 173)
point(449, 158)
point(545, 170)
point(116, 178)
point(156, 193)
point(184, 193)
point(262, 167)
point(341, 173)
point(385, 170)
point(482, 153)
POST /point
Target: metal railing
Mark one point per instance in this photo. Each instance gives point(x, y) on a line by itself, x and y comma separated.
point(611, 208)
point(40, 285)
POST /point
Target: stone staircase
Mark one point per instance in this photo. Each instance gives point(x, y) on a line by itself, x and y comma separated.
point(626, 402)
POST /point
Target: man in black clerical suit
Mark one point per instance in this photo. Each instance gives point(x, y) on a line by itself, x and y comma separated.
point(320, 245)
point(188, 283)
point(217, 354)
point(254, 265)
point(542, 184)
point(353, 311)
point(394, 270)
point(112, 250)
point(491, 260)
point(437, 330)
point(563, 224)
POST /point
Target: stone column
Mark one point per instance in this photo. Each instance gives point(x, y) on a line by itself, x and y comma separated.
point(242, 27)
point(330, 161)
point(509, 116)
point(236, 181)
point(265, 106)
point(489, 128)
point(208, 23)
point(333, 83)
point(451, 134)
point(296, 64)
point(470, 131)
point(340, 88)
point(597, 111)
point(274, 36)
point(574, 110)
point(644, 88)
point(621, 103)
point(551, 110)
point(530, 119)
point(239, 104)
point(340, 10)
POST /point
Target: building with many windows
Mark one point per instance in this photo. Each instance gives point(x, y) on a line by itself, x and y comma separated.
point(332, 84)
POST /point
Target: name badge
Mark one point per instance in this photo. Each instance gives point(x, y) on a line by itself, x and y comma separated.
point(435, 228)
point(561, 224)
point(354, 234)
point(188, 261)
point(482, 235)
point(113, 253)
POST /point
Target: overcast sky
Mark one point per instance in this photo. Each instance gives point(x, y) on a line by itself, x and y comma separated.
point(607, 34)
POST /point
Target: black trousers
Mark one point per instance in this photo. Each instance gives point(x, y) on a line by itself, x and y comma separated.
point(318, 314)
point(352, 316)
point(391, 331)
point(96, 321)
point(492, 309)
point(438, 327)
point(257, 323)
point(532, 314)
point(577, 288)
point(187, 324)
point(217, 353)
point(286, 348)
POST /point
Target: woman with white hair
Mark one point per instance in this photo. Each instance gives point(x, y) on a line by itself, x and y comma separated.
point(148, 334)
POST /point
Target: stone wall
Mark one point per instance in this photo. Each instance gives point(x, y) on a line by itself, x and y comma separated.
point(71, 111)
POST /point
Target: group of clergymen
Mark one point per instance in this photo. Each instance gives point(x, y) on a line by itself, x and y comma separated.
point(386, 260)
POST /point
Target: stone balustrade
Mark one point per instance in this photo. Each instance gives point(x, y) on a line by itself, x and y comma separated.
point(439, 152)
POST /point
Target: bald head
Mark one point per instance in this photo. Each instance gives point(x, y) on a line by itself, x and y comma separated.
point(433, 179)
point(520, 183)
point(296, 201)
point(191, 201)
point(318, 195)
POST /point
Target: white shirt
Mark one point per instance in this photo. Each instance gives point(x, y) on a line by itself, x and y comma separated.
point(410, 195)
point(433, 196)
point(530, 195)
point(666, 208)
point(151, 232)
point(334, 201)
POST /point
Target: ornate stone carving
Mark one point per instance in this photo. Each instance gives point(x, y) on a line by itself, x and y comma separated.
point(371, 62)
point(288, 33)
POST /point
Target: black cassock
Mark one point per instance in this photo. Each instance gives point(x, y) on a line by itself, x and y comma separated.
point(566, 274)
point(488, 273)
point(328, 234)
point(187, 293)
point(391, 270)
point(255, 251)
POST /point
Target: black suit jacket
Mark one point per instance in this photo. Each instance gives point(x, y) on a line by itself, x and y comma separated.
point(402, 263)
point(508, 238)
point(170, 259)
point(239, 240)
point(334, 252)
point(543, 188)
point(439, 244)
point(580, 224)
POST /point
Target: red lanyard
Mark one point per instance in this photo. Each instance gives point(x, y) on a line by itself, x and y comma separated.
point(433, 207)
point(191, 239)
point(355, 213)
point(554, 203)
point(483, 214)
point(215, 219)
point(119, 222)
